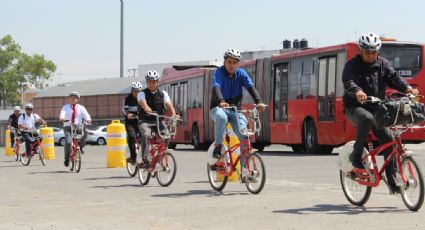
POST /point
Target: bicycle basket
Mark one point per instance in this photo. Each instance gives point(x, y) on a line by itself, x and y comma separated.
point(400, 111)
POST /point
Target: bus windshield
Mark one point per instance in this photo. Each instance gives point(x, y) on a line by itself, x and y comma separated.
point(406, 59)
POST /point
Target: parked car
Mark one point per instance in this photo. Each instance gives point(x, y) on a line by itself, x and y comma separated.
point(59, 136)
point(97, 135)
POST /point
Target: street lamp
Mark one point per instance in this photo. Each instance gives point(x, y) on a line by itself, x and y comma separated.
point(122, 41)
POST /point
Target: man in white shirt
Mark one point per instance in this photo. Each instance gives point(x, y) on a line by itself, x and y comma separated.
point(73, 113)
point(152, 99)
point(26, 123)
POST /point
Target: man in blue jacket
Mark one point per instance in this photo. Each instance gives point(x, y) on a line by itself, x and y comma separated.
point(227, 84)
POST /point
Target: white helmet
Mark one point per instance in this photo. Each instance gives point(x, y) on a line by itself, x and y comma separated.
point(152, 75)
point(370, 41)
point(136, 85)
point(16, 108)
point(29, 106)
point(76, 94)
point(233, 54)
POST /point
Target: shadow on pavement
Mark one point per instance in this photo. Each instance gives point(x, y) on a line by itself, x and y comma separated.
point(207, 193)
point(118, 186)
point(59, 171)
point(344, 209)
point(292, 154)
point(107, 178)
point(198, 182)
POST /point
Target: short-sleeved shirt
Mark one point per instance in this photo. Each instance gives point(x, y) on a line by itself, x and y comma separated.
point(28, 121)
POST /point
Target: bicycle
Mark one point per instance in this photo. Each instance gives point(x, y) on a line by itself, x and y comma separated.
point(162, 163)
point(77, 132)
point(225, 166)
point(357, 183)
point(35, 148)
point(18, 141)
point(132, 167)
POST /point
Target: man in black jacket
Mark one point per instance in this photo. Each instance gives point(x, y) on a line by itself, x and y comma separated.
point(13, 123)
point(365, 75)
point(130, 111)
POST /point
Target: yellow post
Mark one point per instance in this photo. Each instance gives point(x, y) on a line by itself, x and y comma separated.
point(8, 148)
point(233, 141)
point(48, 143)
point(116, 140)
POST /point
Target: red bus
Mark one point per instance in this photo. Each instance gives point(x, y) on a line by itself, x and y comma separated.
point(303, 89)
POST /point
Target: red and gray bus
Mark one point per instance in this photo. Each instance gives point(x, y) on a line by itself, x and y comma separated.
point(303, 89)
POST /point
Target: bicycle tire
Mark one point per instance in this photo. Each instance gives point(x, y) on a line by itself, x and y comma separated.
point(169, 166)
point(363, 196)
point(144, 176)
point(216, 184)
point(258, 172)
point(78, 161)
point(416, 181)
point(41, 156)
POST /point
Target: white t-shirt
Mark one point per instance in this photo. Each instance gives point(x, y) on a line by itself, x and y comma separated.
point(28, 122)
point(81, 113)
point(141, 96)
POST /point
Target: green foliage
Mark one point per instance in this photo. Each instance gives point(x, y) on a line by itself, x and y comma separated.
point(17, 67)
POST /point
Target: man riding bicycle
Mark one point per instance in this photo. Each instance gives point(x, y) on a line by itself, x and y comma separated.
point(13, 123)
point(369, 74)
point(130, 111)
point(73, 113)
point(151, 99)
point(26, 123)
point(228, 81)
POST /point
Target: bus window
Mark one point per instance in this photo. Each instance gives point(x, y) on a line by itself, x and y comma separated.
point(327, 84)
point(246, 97)
point(183, 101)
point(406, 59)
point(280, 99)
point(196, 93)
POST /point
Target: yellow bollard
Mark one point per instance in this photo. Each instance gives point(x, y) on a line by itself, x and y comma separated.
point(48, 143)
point(116, 142)
point(233, 141)
point(8, 148)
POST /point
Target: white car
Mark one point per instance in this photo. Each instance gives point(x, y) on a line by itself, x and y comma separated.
point(59, 136)
point(97, 135)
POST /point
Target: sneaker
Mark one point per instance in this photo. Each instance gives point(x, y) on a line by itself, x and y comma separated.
point(131, 161)
point(217, 152)
point(213, 167)
point(81, 150)
point(356, 162)
point(66, 162)
point(395, 190)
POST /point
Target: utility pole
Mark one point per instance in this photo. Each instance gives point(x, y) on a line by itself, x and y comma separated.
point(122, 41)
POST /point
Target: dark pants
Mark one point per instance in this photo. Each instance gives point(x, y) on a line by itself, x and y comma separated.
point(12, 138)
point(84, 138)
point(146, 128)
point(28, 139)
point(363, 120)
point(131, 139)
point(68, 141)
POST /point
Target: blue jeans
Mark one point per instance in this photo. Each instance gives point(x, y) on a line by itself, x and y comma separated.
point(221, 117)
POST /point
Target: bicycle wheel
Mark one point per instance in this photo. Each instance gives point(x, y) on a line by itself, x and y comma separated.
point(77, 161)
point(217, 180)
point(132, 168)
point(412, 193)
point(256, 178)
point(17, 148)
point(41, 156)
point(355, 193)
point(25, 158)
point(144, 175)
point(168, 169)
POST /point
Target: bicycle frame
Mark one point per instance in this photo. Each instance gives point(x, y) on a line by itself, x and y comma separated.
point(375, 174)
point(75, 144)
point(230, 151)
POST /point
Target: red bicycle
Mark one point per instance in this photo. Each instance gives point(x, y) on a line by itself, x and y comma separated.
point(161, 162)
point(77, 132)
point(357, 183)
point(225, 166)
point(35, 148)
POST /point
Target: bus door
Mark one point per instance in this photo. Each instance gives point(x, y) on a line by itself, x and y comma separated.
point(326, 88)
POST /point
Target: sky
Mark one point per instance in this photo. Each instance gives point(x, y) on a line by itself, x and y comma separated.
point(83, 36)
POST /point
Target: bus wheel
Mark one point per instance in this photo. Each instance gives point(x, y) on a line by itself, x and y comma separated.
point(310, 138)
point(196, 141)
point(298, 148)
point(259, 147)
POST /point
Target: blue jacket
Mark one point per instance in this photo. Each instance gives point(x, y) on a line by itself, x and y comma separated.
point(229, 89)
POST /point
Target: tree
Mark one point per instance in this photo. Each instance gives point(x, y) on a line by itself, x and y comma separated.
point(17, 68)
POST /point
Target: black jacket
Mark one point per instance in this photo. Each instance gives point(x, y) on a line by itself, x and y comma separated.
point(372, 79)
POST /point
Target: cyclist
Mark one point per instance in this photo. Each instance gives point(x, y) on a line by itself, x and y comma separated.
point(151, 99)
point(26, 122)
point(228, 81)
point(130, 111)
point(13, 123)
point(73, 113)
point(369, 74)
